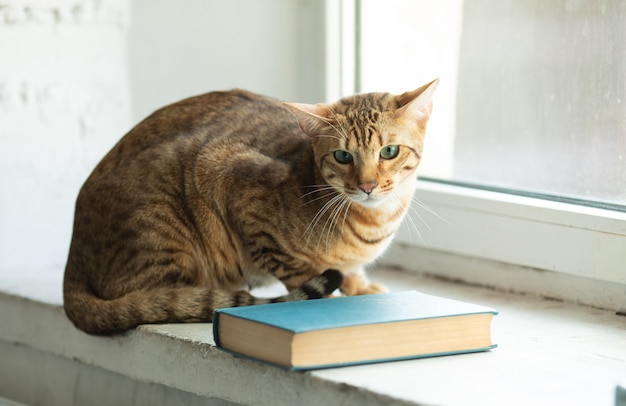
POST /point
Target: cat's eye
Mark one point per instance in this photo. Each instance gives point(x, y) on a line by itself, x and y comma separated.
point(343, 157)
point(389, 152)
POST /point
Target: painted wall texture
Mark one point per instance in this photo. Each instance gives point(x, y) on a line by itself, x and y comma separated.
point(64, 99)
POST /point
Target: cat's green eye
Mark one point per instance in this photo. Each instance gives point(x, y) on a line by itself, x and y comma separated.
point(343, 157)
point(389, 152)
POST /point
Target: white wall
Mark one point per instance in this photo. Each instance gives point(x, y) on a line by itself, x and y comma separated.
point(183, 48)
point(75, 75)
point(63, 100)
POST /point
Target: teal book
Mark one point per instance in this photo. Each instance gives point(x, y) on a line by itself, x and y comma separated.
point(354, 330)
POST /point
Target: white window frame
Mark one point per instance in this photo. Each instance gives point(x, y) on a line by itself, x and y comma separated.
point(525, 244)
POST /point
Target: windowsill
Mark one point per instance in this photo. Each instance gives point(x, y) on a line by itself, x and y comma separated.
point(549, 352)
point(522, 244)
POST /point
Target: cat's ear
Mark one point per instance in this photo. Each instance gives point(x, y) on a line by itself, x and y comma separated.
point(418, 104)
point(311, 117)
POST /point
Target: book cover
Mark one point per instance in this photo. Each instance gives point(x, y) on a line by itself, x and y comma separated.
point(376, 313)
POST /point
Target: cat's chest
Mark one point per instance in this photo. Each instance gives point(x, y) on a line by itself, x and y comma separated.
point(362, 237)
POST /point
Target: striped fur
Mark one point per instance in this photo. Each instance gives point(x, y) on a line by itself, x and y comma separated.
point(223, 192)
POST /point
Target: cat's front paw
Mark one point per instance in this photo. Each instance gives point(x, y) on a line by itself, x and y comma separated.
point(373, 288)
point(357, 284)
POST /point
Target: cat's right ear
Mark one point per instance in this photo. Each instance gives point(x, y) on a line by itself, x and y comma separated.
point(312, 118)
point(418, 104)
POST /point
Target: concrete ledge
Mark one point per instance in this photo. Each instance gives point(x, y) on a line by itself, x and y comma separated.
point(38, 377)
point(53, 363)
point(549, 353)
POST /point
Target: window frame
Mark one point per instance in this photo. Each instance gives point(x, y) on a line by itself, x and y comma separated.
point(515, 243)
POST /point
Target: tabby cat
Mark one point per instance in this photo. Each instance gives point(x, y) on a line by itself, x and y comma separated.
point(220, 193)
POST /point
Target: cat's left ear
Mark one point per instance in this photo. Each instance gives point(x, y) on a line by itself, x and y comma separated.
point(418, 104)
point(311, 117)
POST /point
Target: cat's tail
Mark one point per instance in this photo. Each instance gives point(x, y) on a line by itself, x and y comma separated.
point(94, 315)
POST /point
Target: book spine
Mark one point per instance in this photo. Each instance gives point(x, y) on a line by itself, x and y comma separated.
point(216, 333)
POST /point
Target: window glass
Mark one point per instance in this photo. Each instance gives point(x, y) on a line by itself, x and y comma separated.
point(532, 94)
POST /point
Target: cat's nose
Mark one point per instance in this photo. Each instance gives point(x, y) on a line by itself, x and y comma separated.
point(367, 187)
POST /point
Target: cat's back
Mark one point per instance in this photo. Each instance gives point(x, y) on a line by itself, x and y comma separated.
point(229, 108)
point(160, 158)
point(207, 116)
point(173, 135)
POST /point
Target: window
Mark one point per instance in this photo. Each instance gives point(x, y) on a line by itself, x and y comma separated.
point(525, 158)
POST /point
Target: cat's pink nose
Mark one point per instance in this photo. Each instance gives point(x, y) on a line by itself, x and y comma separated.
point(367, 187)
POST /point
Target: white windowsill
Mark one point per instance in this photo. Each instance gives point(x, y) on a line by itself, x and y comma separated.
point(549, 353)
point(516, 243)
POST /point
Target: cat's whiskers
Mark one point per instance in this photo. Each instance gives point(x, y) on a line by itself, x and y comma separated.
point(413, 226)
point(331, 222)
point(424, 206)
point(409, 209)
point(413, 211)
point(333, 209)
point(328, 223)
point(321, 197)
point(318, 216)
point(343, 223)
point(311, 186)
point(318, 188)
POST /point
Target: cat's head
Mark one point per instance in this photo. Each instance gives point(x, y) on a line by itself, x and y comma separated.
point(367, 146)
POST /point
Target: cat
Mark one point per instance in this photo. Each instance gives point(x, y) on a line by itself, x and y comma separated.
point(223, 192)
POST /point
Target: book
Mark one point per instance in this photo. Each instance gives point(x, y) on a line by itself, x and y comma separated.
point(352, 330)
